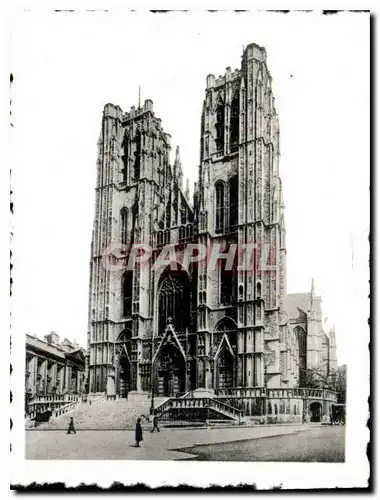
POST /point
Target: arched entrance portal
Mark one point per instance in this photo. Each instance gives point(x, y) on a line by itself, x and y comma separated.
point(224, 370)
point(171, 371)
point(126, 379)
point(315, 412)
point(124, 376)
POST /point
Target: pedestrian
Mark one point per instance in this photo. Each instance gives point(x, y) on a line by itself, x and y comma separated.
point(71, 427)
point(138, 433)
point(155, 424)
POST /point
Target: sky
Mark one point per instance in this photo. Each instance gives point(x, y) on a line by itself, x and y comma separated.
point(67, 66)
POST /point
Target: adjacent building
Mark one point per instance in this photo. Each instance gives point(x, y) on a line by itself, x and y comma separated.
point(53, 367)
point(317, 349)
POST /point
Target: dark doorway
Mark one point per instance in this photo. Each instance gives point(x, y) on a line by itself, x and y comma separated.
point(315, 412)
point(124, 376)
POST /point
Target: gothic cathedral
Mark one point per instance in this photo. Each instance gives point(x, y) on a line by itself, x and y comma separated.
point(194, 323)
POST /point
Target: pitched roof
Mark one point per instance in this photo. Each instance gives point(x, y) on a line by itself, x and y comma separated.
point(44, 346)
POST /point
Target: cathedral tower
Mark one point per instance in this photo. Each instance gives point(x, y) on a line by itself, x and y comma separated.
point(240, 312)
point(138, 201)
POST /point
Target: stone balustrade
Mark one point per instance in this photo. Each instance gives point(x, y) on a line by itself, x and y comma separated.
point(255, 392)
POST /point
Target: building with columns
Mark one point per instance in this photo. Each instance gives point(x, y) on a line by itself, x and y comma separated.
point(53, 367)
point(193, 324)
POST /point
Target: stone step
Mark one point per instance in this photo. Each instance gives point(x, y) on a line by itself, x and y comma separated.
point(102, 415)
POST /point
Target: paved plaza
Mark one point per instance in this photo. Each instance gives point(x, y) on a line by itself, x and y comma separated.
point(239, 443)
point(321, 444)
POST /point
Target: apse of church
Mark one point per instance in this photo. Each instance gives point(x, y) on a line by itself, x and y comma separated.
point(206, 324)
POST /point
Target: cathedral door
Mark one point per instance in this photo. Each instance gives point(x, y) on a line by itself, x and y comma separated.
point(170, 371)
point(124, 377)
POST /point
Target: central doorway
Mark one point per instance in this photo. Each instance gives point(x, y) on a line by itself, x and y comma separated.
point(171, 372)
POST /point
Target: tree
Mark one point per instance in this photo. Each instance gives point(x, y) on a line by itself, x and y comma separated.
point(334, 381)
point(314, 379)
point(339, 379)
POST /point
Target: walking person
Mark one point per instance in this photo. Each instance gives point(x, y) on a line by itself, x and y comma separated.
point(155, 425)
point(138, 433)
point(71, 427)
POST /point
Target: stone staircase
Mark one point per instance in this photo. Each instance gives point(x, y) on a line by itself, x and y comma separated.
point(123, 413)
point(119, 414)
point(190, 409)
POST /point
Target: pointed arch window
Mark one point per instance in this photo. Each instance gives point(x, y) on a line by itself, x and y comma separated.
point(219, 215)
point(124, 226)
point(125, 157)
point(219, 126)
point(160, 238)
point(183, 215)
point(127, 286)
point(138, 156)
point(168, 214)
point(234, 197)
point(234, 123)
point(174, 301)
point(228, 282)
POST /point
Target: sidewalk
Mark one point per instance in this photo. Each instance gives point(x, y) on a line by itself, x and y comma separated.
point(118, 445)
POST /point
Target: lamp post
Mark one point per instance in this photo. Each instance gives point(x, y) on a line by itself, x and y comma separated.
point(152, 378)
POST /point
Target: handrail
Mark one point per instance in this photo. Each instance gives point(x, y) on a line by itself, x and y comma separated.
point(187, 394)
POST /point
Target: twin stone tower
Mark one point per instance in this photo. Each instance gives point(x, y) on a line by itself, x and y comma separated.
point(189, 322)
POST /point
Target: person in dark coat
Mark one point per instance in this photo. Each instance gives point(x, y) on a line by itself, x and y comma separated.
point(71, 427)
point(155, 425)
point(138, 432)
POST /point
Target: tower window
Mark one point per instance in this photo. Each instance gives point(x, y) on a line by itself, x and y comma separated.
point(160, 238)
point(125, 168)
point(219, 219)
point(234, 123)
point(189, 231)
point(228, 281)
point(225, 286)
point(234, 197)
point(127, 294)
point(138, 156)
point(168, 214)
point(219, 125)
point(124, 226)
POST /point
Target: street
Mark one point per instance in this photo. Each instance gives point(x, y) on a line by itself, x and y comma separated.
point(274, 443)
point(322, 444)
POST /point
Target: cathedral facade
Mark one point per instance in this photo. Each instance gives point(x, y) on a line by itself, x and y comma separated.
point(172, 308)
